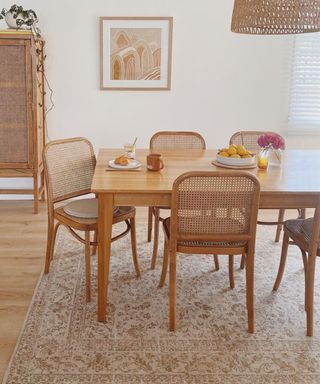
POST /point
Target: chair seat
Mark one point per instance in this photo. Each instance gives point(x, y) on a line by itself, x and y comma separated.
point(83, 209)
point(222, 244)
point(84, 212)
point(300, 230)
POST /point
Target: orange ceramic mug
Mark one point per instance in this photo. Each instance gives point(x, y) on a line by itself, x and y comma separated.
point(154, 162)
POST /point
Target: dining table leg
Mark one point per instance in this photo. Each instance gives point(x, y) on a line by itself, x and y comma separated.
point(105, 219)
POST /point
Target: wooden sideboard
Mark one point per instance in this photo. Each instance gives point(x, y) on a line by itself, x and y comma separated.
point(22, 112)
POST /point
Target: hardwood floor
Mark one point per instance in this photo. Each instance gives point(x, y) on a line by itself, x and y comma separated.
point(22, 251)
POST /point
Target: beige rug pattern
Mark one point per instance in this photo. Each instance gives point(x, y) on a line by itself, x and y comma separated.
point(62, 342)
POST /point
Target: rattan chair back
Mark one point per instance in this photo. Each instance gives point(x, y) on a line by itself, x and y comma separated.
point(249, 139)
point(209, 205)
point(315, 234)
point(306, 233)
point(69, 166)
point(177, 140)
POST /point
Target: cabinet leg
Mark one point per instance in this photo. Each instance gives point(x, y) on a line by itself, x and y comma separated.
point(35, 194)
point(43, 197)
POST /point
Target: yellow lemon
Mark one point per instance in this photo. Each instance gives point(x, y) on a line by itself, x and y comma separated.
point(245, 156)
point(224, 154)
point(232, 150)
point(241, 150)
point(223, 150)
point(236, 156)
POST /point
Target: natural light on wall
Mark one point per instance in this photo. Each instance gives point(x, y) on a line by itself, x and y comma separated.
point(304, 102)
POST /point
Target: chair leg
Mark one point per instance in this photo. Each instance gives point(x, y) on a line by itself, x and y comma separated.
point(302, 213)
point(150, 214)
point(52, 233)
point(279, 226)
point(164, 264)
point(305, 268)
point(88, 266)
point(95, 240)
point(231, 271)
point(310, 293)
point(216, 262)
point(250, 285)
point(243, 261)
point(305, 261)
point(283, 259)
point(172, 290)
point(134, 245)
point(156, 237)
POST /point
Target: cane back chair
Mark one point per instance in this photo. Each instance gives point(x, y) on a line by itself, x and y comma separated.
point(69, 166)
point(305, 233)
point(212, 213)
point(163, 140)
point(249, 139)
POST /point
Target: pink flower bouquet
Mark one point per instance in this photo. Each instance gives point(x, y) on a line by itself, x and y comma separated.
point(271, 141)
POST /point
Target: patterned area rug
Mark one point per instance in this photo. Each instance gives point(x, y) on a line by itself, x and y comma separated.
point(63, 343)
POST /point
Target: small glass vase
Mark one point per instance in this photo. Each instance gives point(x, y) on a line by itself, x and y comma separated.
point(263, 159)
point(275, 157)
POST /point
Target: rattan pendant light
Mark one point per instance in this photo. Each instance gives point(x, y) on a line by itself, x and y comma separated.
point(276, 17)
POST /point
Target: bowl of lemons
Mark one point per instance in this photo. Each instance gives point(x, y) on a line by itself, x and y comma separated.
point(236, 155)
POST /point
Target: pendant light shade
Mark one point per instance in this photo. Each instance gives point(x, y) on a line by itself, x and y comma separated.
point(275, 17)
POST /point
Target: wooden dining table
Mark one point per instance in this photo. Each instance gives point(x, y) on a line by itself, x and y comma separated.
point(295, 183)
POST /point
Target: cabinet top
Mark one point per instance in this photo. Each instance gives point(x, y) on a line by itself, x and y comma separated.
point(15, 34)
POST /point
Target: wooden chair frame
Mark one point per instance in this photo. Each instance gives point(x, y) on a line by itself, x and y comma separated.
point(309, 251)
point(240, 137)
point(77, 224)
point(173, 241)
point(155, 211)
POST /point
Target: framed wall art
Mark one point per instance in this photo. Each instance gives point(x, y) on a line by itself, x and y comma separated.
point(136, 53)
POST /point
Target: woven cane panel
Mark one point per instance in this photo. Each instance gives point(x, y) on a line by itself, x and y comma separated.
point(13, 105)
point(177, 141)
point(212, 205)
point(70, 168)
point(249, 139)
point(276, 17)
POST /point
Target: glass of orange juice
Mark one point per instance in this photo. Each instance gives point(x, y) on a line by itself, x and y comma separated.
point(263, 159)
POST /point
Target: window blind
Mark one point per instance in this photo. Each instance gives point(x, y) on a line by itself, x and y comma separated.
point(304, 102)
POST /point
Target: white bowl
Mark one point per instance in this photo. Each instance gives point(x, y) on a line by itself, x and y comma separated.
point(236, 161)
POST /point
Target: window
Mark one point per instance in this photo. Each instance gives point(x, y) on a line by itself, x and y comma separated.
point(304, 104)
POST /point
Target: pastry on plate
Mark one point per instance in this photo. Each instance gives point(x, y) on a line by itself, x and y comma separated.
point(121, 160)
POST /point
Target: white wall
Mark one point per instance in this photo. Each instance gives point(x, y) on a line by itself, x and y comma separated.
point(221, 82)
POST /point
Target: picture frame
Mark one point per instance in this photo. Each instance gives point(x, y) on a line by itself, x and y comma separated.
point(135, 53)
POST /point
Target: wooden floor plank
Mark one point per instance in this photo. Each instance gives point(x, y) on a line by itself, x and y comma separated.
point(22, 247)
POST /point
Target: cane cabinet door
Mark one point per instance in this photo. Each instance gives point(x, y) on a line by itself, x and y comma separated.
point(16, 96)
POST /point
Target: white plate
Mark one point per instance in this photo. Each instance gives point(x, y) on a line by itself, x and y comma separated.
point(133, 164)
point(238, 162)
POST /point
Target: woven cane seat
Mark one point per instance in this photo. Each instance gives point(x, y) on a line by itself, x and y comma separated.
point(222, 244)
point(301, 231)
